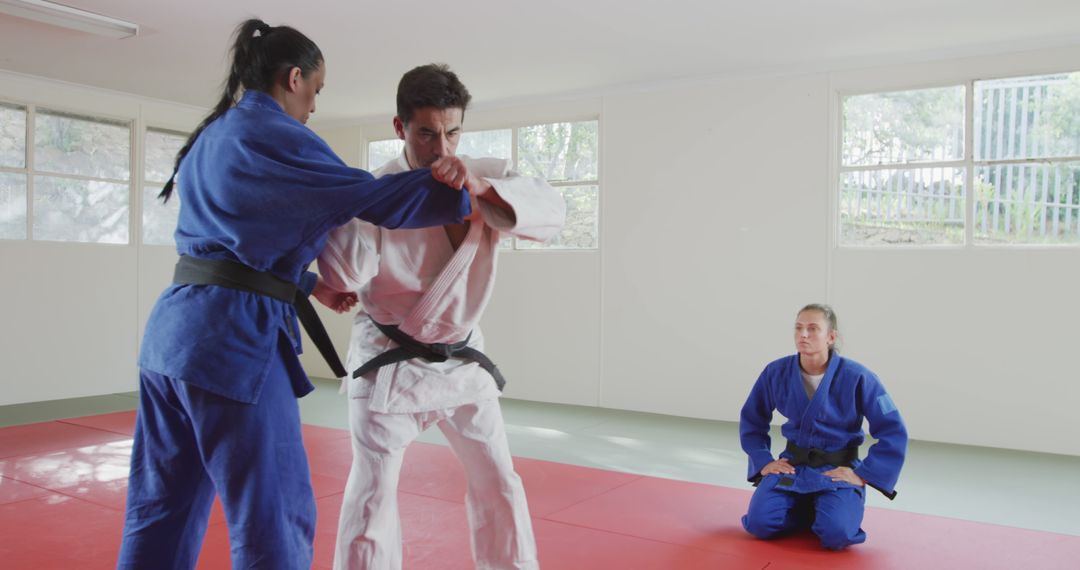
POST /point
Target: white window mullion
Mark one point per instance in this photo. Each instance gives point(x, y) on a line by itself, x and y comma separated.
point(138, 170)
point(1027, 161)
point(570, 183)
point(81, 177)
point(905, 166)
point(514, 161)
point(969, 165)
point(31, 117)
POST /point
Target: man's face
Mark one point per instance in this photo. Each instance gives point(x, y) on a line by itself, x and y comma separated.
point(430, 135)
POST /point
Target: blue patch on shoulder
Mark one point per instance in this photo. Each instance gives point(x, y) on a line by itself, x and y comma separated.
point(886, 404)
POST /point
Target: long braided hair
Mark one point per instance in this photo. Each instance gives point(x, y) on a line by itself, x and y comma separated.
point(260, 55)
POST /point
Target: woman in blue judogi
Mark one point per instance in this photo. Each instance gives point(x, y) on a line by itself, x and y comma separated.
point(219, 368)
point(819, 481)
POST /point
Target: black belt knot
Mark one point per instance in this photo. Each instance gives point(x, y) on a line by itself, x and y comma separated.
point(409, 348)
point(440, 351)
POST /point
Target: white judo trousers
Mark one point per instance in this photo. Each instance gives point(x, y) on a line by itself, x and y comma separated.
point(436, 294)
point(369, 530)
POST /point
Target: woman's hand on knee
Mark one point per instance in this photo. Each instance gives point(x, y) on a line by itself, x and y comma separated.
point(779, 466)
point(846, 475)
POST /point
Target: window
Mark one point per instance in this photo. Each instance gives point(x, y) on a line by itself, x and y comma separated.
point(908, 171)
point(902, 175)
point(381, 152)
point(1027, 160)
point(159, 219)
point(71, 183)
point(497, 144)
point(81, 178)
point(564, 154)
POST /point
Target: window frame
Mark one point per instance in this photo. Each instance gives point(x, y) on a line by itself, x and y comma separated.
point(144, 181)
point(969, 164)
point(30, 171)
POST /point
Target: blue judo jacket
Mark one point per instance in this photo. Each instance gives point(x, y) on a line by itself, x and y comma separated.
point(260, 188)
point(831, 421)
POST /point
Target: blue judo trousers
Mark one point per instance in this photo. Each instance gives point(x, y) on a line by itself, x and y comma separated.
point(219, 367)
point(830, 421)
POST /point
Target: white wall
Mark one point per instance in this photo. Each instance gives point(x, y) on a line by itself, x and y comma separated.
point(69, 323)
point(74, 313)
point(716, 225)
point(710, 242)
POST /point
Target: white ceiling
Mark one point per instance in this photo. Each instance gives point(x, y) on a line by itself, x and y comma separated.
point(510, 50)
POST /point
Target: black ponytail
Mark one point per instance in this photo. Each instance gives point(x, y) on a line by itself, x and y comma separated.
point(260, 54)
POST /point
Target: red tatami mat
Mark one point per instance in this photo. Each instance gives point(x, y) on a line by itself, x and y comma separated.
point(51, 436)
point(118, 422)
point(62, 489)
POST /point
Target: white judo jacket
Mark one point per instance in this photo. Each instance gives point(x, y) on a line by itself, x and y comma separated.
point(413, 278)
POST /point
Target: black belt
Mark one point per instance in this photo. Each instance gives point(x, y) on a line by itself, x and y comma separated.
point(409, 348)
point(195, 271)
point(817, 457)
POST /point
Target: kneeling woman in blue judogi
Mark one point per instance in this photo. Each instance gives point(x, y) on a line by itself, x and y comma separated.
point(219, 368)
point(819, 481)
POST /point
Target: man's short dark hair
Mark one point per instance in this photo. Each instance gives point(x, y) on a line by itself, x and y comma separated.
point(431, 85)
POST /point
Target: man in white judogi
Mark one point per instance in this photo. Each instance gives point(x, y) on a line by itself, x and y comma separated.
point(433, 285)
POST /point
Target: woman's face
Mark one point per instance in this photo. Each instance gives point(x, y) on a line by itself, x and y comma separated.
point(812, 334)
point(301, 92)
